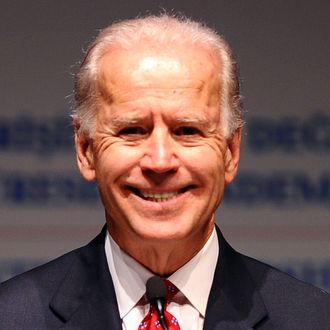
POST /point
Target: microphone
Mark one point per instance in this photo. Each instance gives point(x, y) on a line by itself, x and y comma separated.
point(156, 295)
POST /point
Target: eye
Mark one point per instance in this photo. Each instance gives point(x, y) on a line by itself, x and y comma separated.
point(187, 131)
point(133, 131)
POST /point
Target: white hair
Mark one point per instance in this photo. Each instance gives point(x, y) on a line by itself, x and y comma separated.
point(162, 30)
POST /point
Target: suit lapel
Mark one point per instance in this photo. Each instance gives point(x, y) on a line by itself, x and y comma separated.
point(234, 301)
point(86, 298)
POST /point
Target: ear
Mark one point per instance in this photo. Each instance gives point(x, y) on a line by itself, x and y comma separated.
point(232, 156)
point(84, 154)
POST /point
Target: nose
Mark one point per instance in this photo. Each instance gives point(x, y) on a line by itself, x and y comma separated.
point(160, 154)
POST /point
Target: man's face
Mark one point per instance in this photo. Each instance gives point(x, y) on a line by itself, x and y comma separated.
point(158, 154)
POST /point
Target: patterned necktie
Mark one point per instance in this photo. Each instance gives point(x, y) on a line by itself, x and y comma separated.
point(151, 320)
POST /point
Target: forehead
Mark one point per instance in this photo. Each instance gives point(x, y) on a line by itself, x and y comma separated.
point(164, 68)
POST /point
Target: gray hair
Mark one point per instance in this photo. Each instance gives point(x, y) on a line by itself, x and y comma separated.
point(163, 29)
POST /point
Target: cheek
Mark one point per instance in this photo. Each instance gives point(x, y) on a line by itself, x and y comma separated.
point(115, 162)
point(205, 162)
point(210, 152)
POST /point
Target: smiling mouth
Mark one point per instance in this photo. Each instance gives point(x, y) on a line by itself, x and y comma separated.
point(157, 196)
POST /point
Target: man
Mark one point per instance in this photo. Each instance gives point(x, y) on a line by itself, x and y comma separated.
point(158, 126)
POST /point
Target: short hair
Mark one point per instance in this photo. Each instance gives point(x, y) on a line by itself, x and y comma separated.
point(162, 29)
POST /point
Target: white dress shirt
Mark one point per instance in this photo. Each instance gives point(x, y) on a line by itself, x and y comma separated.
point(194, 281)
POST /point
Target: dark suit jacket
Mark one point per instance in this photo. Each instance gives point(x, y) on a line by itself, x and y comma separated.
point(75, 291)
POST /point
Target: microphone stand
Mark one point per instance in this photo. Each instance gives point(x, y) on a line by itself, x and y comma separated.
point(159, 306)
point(156, 294)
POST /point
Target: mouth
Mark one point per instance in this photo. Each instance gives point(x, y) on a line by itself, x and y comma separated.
point(158, 196)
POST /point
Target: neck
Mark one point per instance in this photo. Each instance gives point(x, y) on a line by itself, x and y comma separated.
point(163, 258)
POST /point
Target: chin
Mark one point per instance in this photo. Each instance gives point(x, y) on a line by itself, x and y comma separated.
point(164, 233)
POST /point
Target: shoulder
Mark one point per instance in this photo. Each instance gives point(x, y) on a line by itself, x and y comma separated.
point(49, 274)
point(289, 299)
point(41, 276)
point(288, 302)
point(25, 299)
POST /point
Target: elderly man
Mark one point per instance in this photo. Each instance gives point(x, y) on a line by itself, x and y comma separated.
point(158, 126)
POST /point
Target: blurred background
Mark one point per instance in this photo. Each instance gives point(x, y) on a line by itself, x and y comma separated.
point(277, 210)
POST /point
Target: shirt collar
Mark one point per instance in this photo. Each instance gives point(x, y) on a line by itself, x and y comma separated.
point(128, 276)
point(194, 279)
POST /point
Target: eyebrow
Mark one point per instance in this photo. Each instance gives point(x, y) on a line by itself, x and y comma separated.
point(200, 121)
point(119, 122)
point(128, 120)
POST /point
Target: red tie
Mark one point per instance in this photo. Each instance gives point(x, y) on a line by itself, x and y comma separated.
point(151, 320)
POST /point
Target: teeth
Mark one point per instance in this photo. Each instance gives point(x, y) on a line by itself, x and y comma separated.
point(158, 197)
